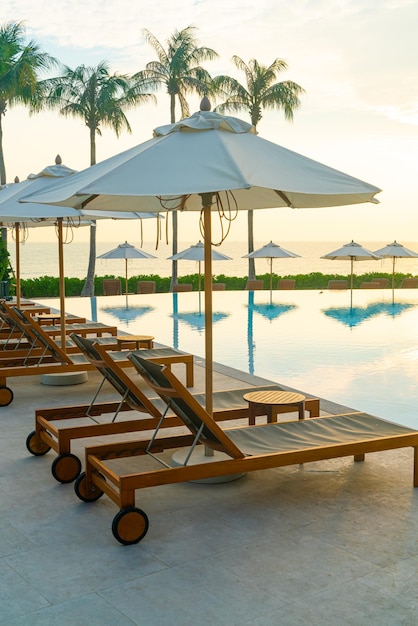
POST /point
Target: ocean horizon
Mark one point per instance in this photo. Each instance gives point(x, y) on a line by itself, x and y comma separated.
point(41, 259)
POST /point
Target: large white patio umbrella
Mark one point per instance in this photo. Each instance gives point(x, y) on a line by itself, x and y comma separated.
point(395, 251)
point(16, 215)
point(196, 252)
point(351, 252)
point(271, 251)
point(208, 162)
point(126, 251)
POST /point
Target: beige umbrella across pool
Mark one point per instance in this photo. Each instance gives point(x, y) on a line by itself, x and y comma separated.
point(395, 251)
point(197, 253)
point(351, 252)
point(126, 251)
point(271, 251)
point(211, 163)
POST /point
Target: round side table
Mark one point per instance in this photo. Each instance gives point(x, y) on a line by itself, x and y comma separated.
point(265, 403)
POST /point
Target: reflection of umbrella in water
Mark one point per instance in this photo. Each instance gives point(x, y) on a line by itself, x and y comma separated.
point(271, 251)
point(126, 251)
point(351, 252)
point(273, 311)
point(197, 320)
point(395, 251)
point(351, 315)
point(393, 309)
point(354, 316)
point(127, 314)
point(197, 253)
point(211, 163)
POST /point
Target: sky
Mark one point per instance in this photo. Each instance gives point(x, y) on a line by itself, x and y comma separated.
point(356, 59)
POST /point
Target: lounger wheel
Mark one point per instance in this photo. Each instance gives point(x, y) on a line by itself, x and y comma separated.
point(66, 467)
point(36, 446)
point(6, 396)
point(130, 525)
point(85, 493)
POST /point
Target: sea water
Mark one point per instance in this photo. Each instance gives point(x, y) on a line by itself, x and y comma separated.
point(41, 259)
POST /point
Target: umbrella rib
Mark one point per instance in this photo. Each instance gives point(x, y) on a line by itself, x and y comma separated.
point(284, 198)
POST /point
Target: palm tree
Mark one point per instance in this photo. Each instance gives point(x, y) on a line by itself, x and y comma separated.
point(20, 64)
point(260, 92)
point(178, 69)
point(100, 99)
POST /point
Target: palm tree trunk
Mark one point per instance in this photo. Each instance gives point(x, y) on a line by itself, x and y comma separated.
point(251, 262)
point(88, 287)
point(2, 172)
point(2, 165)
point(174, 264)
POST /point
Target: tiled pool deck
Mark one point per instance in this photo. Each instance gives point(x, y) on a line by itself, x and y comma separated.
point(333, 542)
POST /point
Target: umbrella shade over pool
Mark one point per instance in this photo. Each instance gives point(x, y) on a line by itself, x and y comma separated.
point(210, 163)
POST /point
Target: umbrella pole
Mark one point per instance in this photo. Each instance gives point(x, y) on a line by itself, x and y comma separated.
point(208, 310)
point(199, 283)
point(17, 241)
point(61, 283)
point(393, 279)
point(126, 276)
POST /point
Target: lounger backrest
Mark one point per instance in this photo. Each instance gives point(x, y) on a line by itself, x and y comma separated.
point(53, 348)
point(114, 374)
point(17, 321)
point(24, 326)
point(184, 405)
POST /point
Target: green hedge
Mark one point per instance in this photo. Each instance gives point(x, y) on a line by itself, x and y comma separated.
point(48, 286)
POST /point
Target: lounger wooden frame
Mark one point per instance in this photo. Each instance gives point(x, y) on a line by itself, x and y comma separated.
point(51, 431)
point(131, 524)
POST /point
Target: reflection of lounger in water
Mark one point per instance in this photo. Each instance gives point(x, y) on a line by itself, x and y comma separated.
point(249, 449)
point(52, 431)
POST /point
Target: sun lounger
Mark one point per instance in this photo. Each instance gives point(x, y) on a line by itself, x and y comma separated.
point(247, 449)
point(337, 284)
point(21, 329)
point(53, 359)
point(31, 344)
point(57, 427)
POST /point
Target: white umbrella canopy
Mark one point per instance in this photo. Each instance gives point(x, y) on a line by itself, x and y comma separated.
point(351, 252)
point(201, 163)
point(126, 251)
point(271, 251)
point(208, 153)
point(17, 215)
point(196, 252)
point(395, 251)
point(11, 211)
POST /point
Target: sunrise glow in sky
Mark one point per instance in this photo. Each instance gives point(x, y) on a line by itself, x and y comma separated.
point(356, 59)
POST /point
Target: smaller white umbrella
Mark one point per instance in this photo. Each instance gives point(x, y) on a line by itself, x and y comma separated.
point(271, 251)
point(126, 251)
point(352, 252)
point(197, 253)
point(395, 251)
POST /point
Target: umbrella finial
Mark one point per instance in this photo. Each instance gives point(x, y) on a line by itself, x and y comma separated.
point(58, 160)
point(16, 180)
point(205, 104)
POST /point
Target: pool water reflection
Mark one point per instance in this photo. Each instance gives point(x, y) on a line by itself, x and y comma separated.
point(364, 357)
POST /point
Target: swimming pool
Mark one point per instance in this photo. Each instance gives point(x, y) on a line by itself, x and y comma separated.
point(365, 357)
